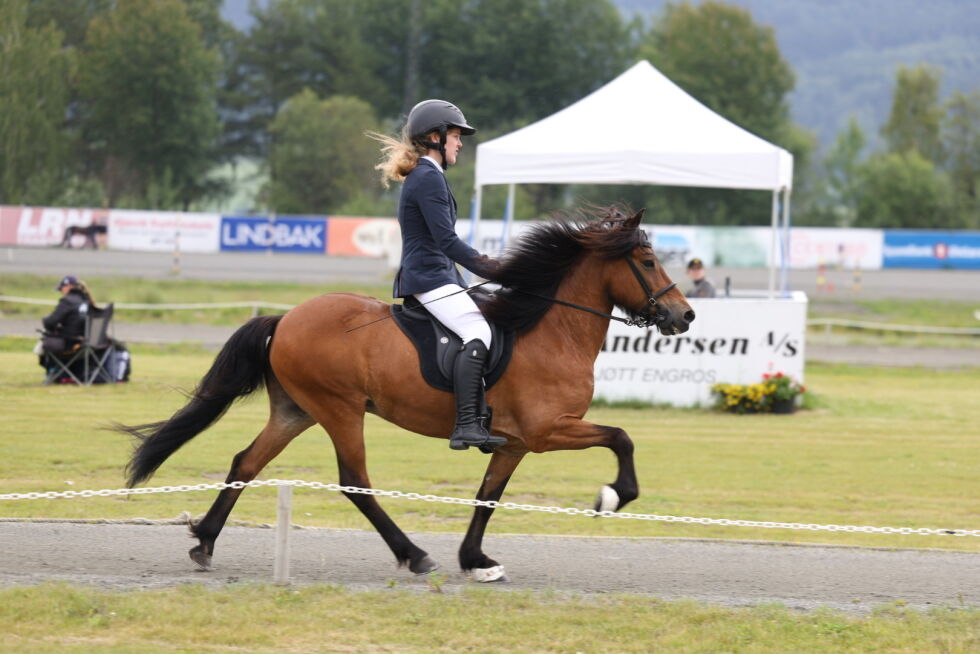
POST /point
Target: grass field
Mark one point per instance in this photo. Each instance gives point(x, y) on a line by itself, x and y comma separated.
point(896, 447)
point(59, 619)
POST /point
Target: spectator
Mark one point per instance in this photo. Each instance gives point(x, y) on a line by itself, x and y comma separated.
point(702, 285)
point(65, 326)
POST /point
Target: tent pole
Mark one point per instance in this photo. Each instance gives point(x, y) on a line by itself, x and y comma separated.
point(784, 279)
point(508, 217)
point(475, 215)
point(772, 244)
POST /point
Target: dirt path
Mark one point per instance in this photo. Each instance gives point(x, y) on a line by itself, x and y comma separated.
point(729, 573)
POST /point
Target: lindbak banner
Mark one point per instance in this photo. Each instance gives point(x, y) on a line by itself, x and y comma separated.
point(931, 249)
point(280, 234)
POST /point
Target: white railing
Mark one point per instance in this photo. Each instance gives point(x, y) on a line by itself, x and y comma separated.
point(255, 305)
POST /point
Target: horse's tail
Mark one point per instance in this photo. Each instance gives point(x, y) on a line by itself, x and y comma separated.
point(238, 370)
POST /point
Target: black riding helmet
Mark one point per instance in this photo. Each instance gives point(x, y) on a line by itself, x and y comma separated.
point(436, 116)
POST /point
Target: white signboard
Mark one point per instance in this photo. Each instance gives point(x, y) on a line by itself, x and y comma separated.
point(159, 231)
point(733, 340)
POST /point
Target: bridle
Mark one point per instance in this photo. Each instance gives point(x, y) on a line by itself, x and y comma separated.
point(649, 319)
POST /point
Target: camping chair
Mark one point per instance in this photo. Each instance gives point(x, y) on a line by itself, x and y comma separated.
point(90, 362)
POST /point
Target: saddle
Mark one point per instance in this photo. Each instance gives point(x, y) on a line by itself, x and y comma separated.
point(437, 346)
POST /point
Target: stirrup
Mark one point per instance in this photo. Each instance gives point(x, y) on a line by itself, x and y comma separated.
point(462, 439)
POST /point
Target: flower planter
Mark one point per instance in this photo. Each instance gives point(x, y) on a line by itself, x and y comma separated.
point(784, 406)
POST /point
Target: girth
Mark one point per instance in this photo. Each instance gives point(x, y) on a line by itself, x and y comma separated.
point(437, 346)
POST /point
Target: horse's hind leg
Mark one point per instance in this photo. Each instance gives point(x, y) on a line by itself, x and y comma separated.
point(471, 556)
point(346, 429)
point(286, 422)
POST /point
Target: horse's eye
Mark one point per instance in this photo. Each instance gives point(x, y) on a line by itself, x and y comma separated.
point(648, 264)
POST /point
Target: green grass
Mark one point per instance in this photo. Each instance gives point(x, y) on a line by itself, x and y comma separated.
point(934, 313)
point(894, 447)
point(143, 291)
point(61, 619)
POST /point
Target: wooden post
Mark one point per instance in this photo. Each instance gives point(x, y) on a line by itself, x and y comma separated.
point(284, 510)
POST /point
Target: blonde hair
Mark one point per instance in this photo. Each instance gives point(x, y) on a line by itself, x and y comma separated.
point(83, 287)
point(398, 157)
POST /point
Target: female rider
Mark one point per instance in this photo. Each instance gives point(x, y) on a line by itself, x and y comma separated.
point(431, 142)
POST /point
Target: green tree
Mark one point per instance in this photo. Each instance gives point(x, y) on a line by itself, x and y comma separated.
point(34, 82)
point(904, 189)
point(320, 157)
point(295, 45)
point(842, 167)
point(961, 141)
point(916, 115)
point(72, 17)
point(147, 83)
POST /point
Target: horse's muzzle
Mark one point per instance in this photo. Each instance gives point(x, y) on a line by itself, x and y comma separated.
point(672, 321)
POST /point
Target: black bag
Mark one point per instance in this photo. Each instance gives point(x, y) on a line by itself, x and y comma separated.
point(54, 344)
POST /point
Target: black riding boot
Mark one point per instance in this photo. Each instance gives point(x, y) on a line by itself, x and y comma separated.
point(468, 381)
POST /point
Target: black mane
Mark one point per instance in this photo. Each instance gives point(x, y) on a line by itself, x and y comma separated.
point(542, 256)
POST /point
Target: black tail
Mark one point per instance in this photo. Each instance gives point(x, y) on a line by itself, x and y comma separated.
point(238, 370)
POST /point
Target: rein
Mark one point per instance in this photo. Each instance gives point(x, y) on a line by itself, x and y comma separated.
point(642, 321)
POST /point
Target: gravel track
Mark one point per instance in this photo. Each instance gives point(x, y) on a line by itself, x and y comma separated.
point(728, 573)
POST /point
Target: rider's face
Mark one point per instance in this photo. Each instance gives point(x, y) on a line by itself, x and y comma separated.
point(454, 143)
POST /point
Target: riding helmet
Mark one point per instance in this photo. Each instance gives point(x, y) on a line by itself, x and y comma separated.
point(436, 116)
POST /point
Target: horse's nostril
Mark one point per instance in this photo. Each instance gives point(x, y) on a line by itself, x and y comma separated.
point(689, 316)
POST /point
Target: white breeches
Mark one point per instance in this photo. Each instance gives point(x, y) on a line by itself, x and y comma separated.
point(458, 313)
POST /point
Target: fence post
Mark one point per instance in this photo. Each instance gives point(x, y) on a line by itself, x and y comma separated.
point(284, 510)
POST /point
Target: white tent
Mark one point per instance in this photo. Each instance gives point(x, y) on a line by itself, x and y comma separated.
point(640, 128)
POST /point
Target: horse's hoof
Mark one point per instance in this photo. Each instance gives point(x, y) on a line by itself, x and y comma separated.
point(202, 559)
point(423, 566)
point(607, 499)
point(489, 575)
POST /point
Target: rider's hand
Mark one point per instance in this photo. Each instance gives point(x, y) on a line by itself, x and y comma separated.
point(486, 267)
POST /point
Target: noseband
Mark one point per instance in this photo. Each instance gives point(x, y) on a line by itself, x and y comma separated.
point(648, 319)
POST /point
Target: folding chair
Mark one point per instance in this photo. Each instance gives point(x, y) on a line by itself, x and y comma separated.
point(88, 364)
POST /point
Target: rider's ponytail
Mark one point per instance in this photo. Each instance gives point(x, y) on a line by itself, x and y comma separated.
point(398, 157)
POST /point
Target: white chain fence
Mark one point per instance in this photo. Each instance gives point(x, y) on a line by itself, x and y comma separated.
point(255, 305)
point(726, 522)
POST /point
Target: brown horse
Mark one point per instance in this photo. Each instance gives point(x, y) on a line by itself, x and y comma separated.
point(318, 370)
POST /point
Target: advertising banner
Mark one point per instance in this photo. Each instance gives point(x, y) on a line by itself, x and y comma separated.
point(931, 249)
point(364, 237)
point(46, 226)
point(163, 231)
point(733, 340)
point(299, 234)
point(810, 247)
point(9, 217)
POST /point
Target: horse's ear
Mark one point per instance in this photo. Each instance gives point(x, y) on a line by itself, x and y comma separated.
point(634, 222)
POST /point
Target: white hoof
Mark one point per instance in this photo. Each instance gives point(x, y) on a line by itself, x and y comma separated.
point(607, 499)
point(486, 575)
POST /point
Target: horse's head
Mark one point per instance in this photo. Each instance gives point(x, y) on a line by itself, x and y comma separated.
point(639, 284)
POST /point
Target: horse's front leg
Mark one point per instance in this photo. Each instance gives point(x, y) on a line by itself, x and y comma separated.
point(570, 433)
point(471, 556)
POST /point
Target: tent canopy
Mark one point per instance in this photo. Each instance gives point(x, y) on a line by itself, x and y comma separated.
point(640, 128)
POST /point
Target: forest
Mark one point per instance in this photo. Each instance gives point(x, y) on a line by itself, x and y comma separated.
point(165, 105)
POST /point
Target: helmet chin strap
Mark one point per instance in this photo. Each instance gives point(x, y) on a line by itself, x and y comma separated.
point(440, 146)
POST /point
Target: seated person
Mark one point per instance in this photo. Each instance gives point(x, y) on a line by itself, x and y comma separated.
point(64, 327)
point(702, 285)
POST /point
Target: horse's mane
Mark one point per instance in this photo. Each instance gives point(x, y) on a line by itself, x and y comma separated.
point(545, 252)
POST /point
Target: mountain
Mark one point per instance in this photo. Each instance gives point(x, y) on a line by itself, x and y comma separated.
point(845, 52)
